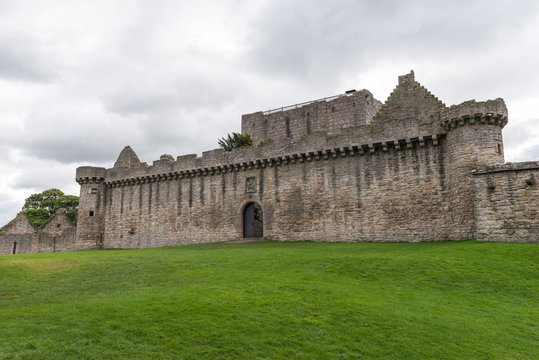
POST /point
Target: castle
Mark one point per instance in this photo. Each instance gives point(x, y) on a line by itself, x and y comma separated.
point(346, 168)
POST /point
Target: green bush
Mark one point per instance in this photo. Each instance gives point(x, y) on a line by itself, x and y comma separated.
point(234, 141)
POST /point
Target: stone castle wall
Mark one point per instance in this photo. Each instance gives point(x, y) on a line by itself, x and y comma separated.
point(343, 169)
point(383, 195)
point(507, 202)
point(346, 168)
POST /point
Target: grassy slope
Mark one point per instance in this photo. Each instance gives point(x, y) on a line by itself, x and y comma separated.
point(274, 300)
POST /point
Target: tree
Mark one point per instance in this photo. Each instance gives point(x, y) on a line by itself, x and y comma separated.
point(38, 208)
point(235, 140)
point(37, 217)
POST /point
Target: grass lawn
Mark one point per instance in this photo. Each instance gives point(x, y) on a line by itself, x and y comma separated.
point(274, 300)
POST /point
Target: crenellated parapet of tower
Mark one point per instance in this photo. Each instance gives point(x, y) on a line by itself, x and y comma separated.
point(90, 174)
point(491, 112)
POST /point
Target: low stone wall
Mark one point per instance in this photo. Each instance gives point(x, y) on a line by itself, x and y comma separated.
point(507, 202)
point(52, 243)
point(16, 243)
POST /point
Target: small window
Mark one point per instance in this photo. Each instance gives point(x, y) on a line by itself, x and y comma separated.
point(499, 148)
point(91, 213)
point(58, 226)
point(93, 191)
point(287, 127)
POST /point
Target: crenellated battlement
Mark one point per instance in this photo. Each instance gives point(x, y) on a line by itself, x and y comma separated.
point(88, 174)
point(490, 112)
point(474, 119)
point(209, 164)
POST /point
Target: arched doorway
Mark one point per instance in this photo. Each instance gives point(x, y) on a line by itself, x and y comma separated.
point(253, 225)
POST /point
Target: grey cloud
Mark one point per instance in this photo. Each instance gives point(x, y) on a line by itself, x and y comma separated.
point(135, 101)
point(523, 153)
point(8, 210)
point(208, 91)
point(46, 176)
point(183, 132)
point(24, 58)
point(518, 133)
point(531, 153)
point(521, 140)
point(189, 91)
point(69, 141)
point(186, 114)
point(70, 150)
point(65, 148)
point(329, 40)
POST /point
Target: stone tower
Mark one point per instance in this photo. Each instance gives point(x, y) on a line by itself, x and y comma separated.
point(474, 137)
point(92, 200)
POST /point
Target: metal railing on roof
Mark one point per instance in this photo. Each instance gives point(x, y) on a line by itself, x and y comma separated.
point(295, 106)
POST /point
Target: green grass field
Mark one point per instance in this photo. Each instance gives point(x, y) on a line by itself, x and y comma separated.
point(274, 300)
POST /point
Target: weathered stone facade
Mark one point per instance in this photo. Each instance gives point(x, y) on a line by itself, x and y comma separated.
point(17, 237)
point(20, 237)
point(507, 202)
point(347, 168)
point(57, 234)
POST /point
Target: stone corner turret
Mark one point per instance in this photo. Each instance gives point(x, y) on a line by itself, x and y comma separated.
point(91, 216)
point(85, 174)
point(474, 139)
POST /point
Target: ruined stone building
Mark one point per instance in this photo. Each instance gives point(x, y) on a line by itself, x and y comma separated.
point(345, 168)
point(19, 236)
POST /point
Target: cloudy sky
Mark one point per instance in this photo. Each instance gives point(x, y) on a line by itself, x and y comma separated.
point(79, 80)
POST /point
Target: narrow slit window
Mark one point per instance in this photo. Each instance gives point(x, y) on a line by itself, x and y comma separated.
point(287, 126)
